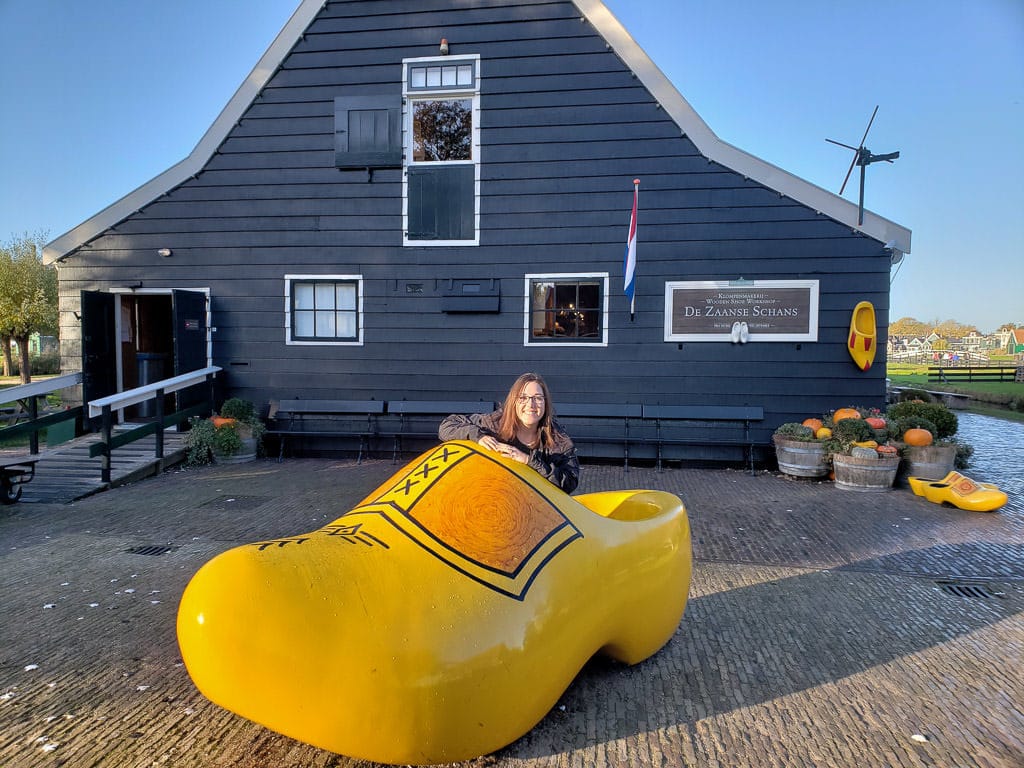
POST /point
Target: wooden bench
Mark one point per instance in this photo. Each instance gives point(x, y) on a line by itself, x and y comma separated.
point(733, 420)
point(15, 471)
point(412, 418)
point(600, 423)
point(307, 419)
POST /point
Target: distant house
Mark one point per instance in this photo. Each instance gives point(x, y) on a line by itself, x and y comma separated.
point(1015, 343)
point(373, 216)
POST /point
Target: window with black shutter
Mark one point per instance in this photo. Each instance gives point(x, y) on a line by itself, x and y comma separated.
point(442, 151)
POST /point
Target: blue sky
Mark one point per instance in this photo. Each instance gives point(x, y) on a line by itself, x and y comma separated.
point(99, 97)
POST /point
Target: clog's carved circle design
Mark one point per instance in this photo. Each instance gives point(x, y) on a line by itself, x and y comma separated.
point(494, 528)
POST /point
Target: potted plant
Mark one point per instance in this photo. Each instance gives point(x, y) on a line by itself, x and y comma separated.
point(232, 436)
point(860, 461)
point(800, 448)
point(925, 433)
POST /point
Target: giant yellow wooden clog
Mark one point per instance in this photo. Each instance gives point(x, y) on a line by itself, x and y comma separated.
point(441, 618)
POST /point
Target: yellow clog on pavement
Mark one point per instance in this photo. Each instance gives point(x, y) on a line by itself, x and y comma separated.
point(918, 484)
point(966, 494)
point(441, 618)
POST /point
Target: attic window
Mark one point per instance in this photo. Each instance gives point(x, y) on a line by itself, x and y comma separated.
point(442, 151)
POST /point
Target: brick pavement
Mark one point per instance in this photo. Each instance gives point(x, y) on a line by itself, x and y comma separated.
point(817, 633)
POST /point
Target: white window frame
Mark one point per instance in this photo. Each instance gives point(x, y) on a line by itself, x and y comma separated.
point(290, 279)
point(433, 94)
point(566, 276)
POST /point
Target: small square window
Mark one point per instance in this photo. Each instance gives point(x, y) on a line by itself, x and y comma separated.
point(567, 309)
point(323, 310)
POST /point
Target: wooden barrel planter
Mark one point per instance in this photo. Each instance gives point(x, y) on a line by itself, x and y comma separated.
point(800, 457)
point(856, 473)
point(247, 453)
point(933, 461)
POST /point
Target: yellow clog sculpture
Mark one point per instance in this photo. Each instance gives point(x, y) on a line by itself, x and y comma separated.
point(443, 616)
point(862, 341)
point(960, 491)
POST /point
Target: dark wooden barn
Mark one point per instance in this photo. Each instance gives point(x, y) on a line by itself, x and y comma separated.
point(421, 200)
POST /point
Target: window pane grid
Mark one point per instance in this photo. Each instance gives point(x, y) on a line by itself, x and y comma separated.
point(324, 310)
point(454, 75)
point(565, 310)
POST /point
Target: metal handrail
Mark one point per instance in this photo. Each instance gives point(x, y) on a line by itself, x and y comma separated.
point(39, 388)
point(104, 407)
point(27, 394)
point(149, 391)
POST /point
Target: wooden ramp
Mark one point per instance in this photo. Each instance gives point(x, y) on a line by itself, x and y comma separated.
point(66, 473)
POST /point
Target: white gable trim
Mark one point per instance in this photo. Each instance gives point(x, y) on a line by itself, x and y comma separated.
point(733, 158)
point(709, 145)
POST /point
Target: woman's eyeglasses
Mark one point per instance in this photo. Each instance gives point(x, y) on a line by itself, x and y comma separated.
point(526, 399)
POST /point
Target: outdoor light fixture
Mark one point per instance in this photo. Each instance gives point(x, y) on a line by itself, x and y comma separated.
point(165, 252)
point(444, 46)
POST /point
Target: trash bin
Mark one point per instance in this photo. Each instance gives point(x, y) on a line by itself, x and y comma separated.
point(151, 370)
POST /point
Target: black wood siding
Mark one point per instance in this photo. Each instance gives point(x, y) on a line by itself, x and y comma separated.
point(565, 127)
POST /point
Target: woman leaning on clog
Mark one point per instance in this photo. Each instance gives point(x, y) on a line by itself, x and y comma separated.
point(523, 429)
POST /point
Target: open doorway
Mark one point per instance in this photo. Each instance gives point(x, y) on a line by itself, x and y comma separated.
point(133, 339)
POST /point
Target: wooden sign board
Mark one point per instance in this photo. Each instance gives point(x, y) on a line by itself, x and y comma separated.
point(774, 310)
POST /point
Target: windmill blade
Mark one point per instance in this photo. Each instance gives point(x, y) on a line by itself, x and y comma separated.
point(833, 141)
point(865, 138)
point(856, 154)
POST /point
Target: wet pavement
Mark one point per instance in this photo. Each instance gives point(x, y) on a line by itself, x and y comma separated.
point(824, 628)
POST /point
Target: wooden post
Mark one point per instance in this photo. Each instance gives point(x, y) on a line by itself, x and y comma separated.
point(107, 433)
point(159, 424)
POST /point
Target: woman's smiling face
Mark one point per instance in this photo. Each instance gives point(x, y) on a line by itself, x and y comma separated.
point(531, 405)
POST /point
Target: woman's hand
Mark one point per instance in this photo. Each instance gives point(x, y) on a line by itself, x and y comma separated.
point(491, 443)
point(506, 450)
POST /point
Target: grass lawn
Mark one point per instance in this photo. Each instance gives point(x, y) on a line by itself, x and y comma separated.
point(988, 396)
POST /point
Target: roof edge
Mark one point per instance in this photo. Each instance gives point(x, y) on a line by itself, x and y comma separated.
point(247, 92)
point(714, 149)
point(595, 11)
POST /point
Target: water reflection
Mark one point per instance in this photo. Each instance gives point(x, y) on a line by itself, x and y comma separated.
point(998, 453)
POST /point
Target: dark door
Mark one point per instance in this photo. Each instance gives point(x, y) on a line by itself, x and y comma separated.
point(189, 316)
point(99, 354)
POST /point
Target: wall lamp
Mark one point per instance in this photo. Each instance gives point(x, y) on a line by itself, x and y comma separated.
point(165, 252)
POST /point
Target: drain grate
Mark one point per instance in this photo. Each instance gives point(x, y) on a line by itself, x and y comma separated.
point(968, 589)
point(150, 549)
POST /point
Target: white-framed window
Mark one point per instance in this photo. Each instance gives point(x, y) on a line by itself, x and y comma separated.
point(566, 310)
point(441, 148)
point(323, 309)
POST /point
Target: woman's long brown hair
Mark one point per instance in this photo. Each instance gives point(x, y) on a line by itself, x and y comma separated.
point(509, 417)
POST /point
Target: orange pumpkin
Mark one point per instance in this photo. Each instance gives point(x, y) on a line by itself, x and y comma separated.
point(814, 424)
point(845, 413)
point(887, 450)
point(221, 421)
point(875, 423)
point(917, 437)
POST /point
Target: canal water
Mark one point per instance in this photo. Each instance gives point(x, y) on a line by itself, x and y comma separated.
point(998, 453)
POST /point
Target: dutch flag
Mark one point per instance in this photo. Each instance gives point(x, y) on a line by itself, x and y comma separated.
point(629, 263)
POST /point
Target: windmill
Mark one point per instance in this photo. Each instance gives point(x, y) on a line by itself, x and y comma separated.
point(862, 156)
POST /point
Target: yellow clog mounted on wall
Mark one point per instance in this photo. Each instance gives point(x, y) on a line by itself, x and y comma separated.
point(863, 335)
point(441, 618)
